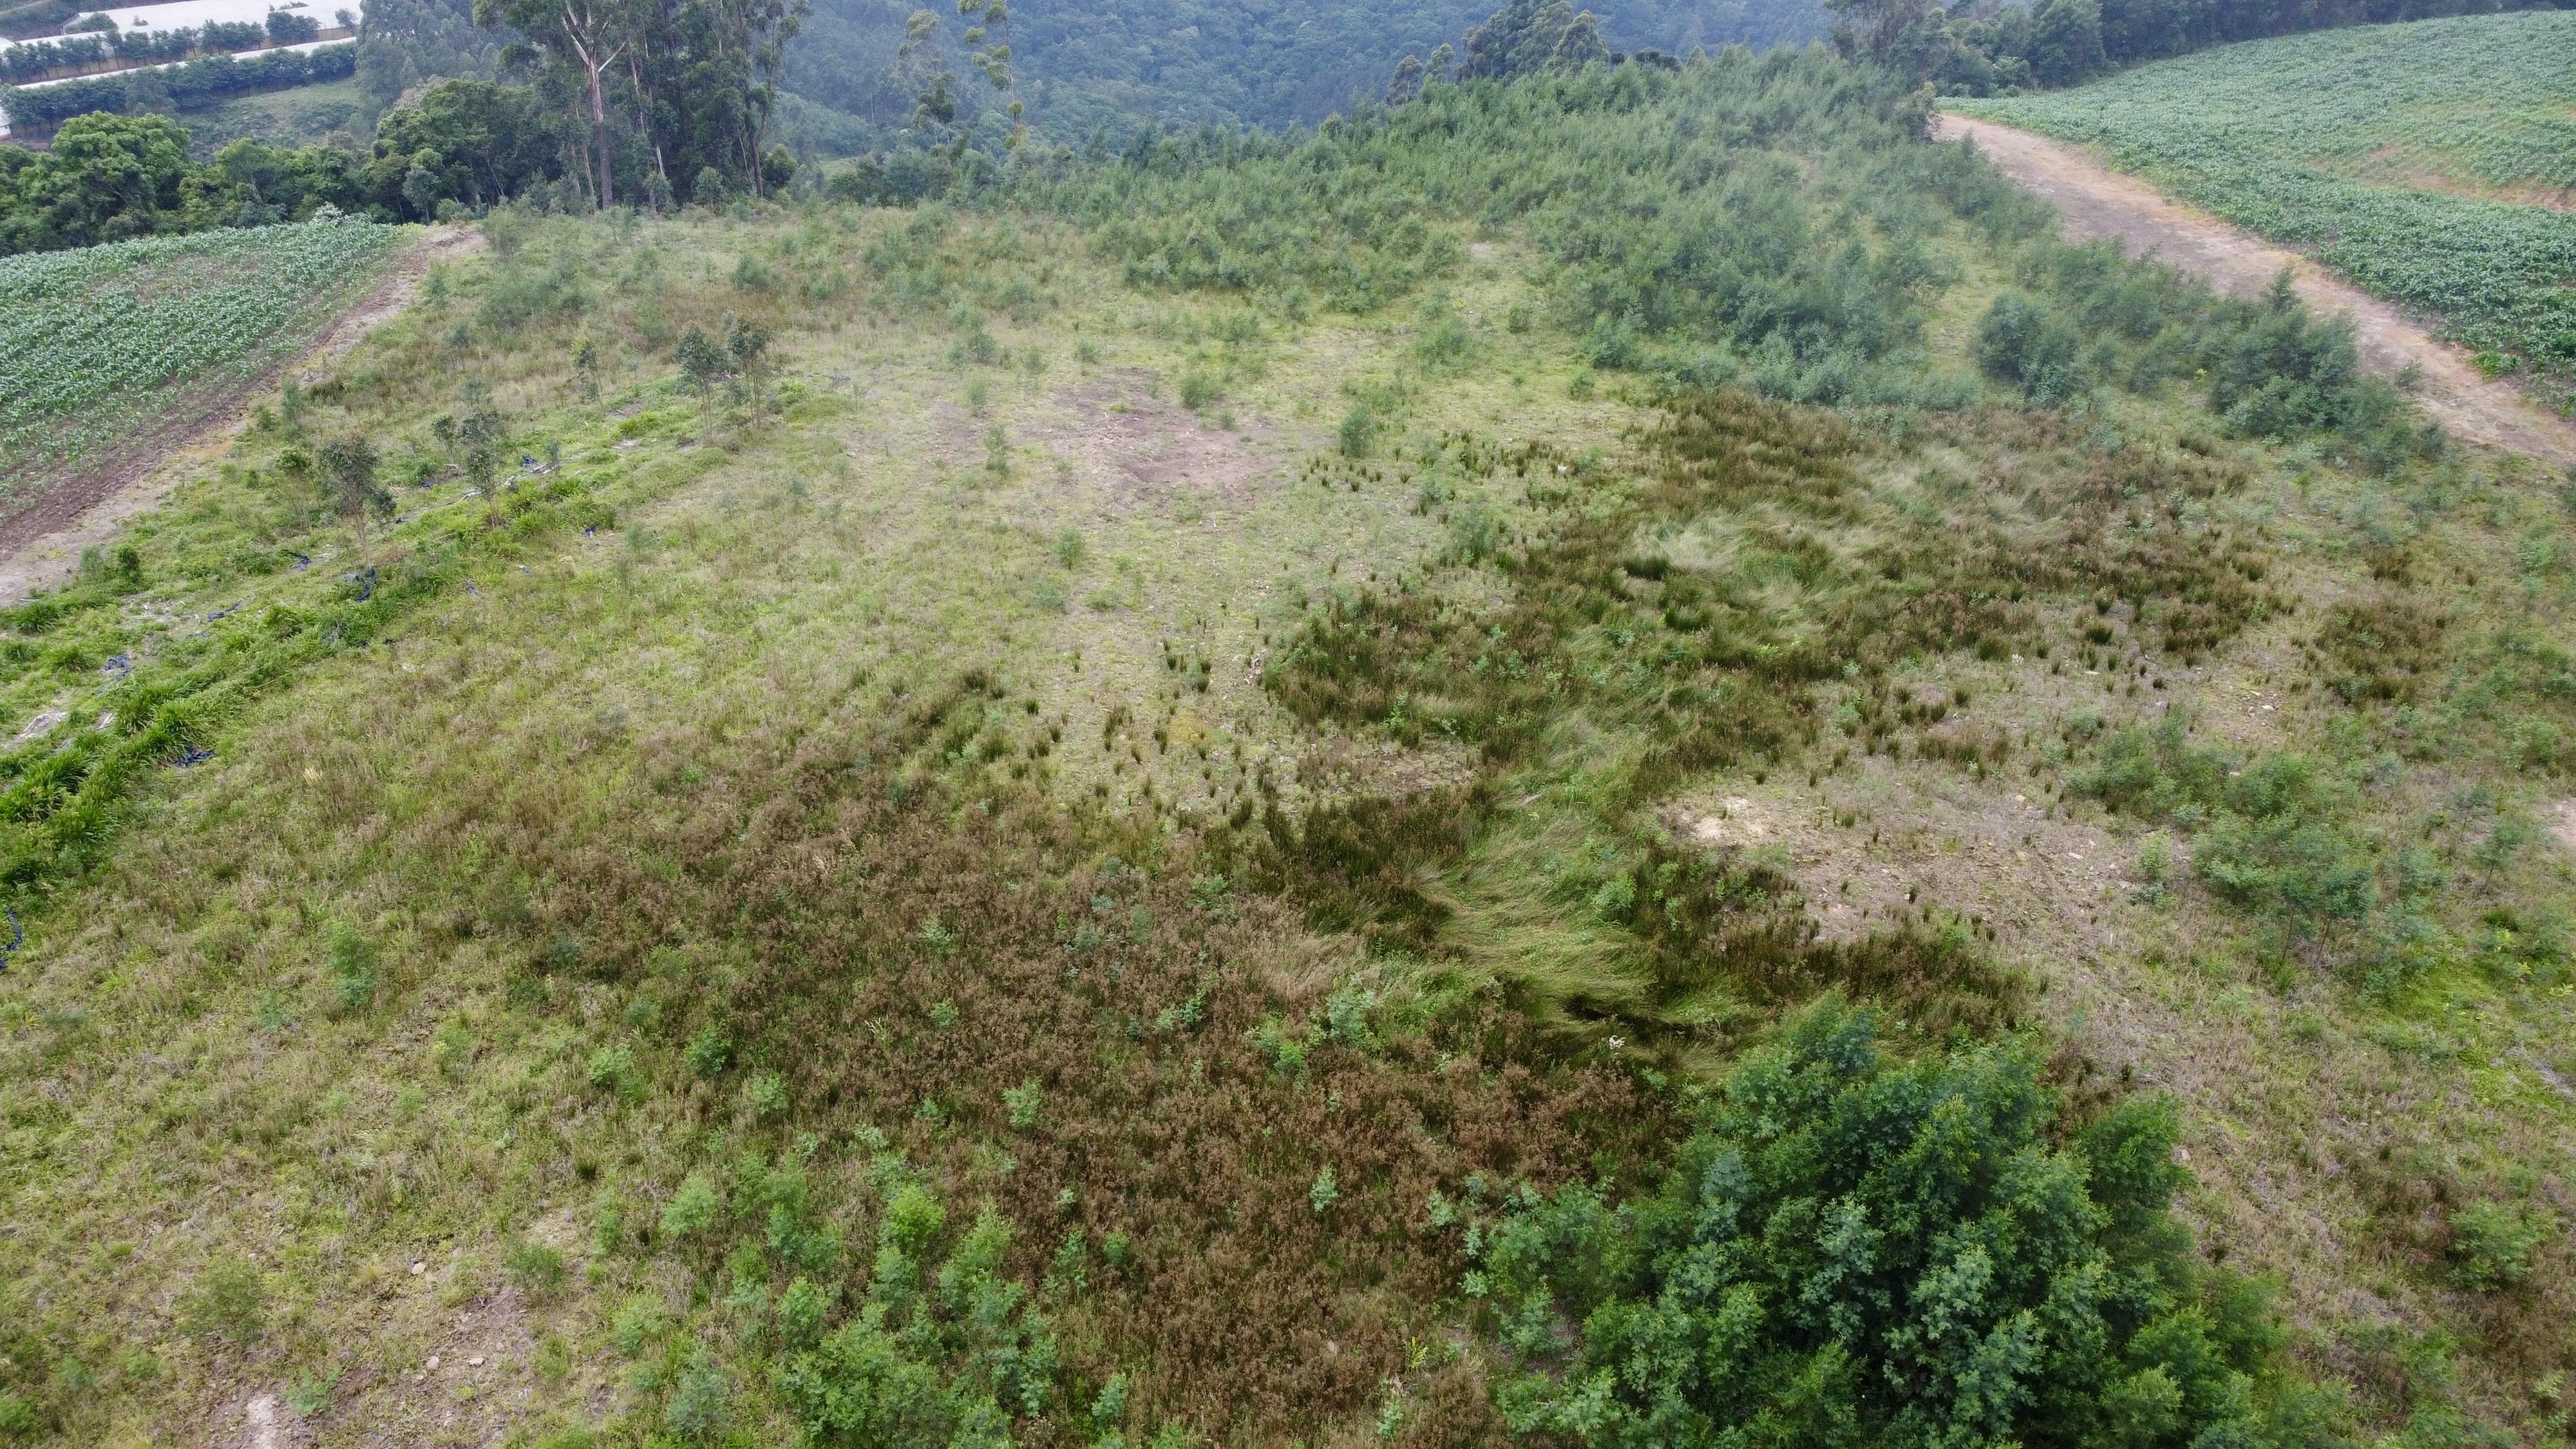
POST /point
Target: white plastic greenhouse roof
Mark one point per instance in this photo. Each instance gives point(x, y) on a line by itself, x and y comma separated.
point(198, 12)
point(193, 13)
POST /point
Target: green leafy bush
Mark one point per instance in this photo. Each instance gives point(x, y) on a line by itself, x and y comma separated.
point(2492, 1243)
point(942, 1350)
point(701, 1404)
point(1359, 430)
point(2021, 341)
point(1849, 1251)
point(610, 1068)
point(1324, 1192)
point(536, 1269)
point(353, 967)
point(709, 1052)
point(1024, 1103)
point(2273, 834)
point(692, 1209)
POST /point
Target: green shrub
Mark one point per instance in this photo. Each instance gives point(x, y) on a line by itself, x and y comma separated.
point(452, 1050)
point(352, 967)
point(2492, 1243)
point(1346, 1017)
point(1024, 1102)
point(953, 1364)
point(709, 1051)
point(2273, 834)
point(1359, 430)
point(536, 1269)
point(701, 1404)
point(1109, 1406)
point(1446, 345)
point(226, 1304)
point(1278, 1041)
point(1324, 1192)
point(2155, 866)
point(703, 362)
point(1474, 533)
point(801, 1313)
point(312, 1394)
point(609, 1068)
point(1849, 1251)
point(2022, 341)
point(638, 1323)
point(692, 1209)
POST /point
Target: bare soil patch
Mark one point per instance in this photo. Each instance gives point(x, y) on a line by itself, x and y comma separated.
point(1145, 453)
point(2097, 202)
point(41, 546)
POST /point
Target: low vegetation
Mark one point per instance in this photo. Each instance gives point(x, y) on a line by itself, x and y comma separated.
point(1302, 790)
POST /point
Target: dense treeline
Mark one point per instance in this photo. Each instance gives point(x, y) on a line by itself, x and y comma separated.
point(1974, 50)
point(108, 177)
point(201, 81)
point(71, 54)
point(407, 43)
point(656, 101)
point(1089, 64)
point(37, 17)
point(659, 103)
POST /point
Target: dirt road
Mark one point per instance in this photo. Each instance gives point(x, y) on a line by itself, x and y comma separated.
point(2098, 202)
point(42, 546)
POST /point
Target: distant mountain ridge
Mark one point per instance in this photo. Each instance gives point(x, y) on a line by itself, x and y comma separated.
point(1091, 63)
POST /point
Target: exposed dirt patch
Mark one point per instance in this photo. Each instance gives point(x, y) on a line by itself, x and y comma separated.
point(268, 1424)
point(41, 546)
point(2097, 202)
point(1916, 836)
point(1143, 453)
point(2562, 824)
point(1732, 820)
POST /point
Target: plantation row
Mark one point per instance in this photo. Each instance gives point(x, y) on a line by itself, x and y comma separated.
point(37, 60)
point(87, 337)
point(197, 82)
point(2287, 137)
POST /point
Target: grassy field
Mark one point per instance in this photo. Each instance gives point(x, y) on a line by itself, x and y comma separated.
point(1088, 835)
point(297, 116)
point(2429, 162)
point(115, 346)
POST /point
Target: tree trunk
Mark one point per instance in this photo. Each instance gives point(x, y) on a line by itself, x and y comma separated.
point(599, 137)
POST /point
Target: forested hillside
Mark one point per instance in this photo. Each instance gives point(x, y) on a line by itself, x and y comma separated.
point(1606, 757)
point(1122, 64)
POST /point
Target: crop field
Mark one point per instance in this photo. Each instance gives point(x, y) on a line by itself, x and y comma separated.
point(2431, 163)
point(94, 341)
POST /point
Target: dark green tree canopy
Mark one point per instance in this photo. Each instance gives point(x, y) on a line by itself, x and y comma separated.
point(1854, 1251)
